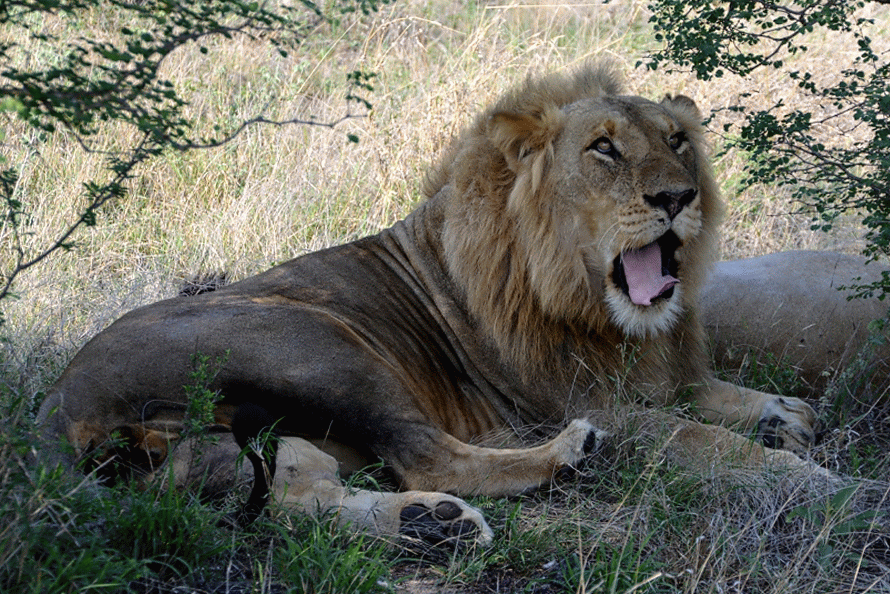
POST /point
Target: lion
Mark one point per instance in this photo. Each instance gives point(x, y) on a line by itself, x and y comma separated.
point(561, 244)
point(804, 314)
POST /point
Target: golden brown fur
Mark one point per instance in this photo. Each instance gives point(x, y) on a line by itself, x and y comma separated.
point(538, 280)
point(556, 262)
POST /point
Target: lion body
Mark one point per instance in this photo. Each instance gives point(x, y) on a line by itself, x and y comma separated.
point(798, 307)
point(555, 264)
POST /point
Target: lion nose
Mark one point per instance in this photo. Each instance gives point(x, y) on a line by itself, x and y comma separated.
point(671, 202)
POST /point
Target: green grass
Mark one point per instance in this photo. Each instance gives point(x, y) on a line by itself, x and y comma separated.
point(318, 556)
point(60, 535)
point(633, 520)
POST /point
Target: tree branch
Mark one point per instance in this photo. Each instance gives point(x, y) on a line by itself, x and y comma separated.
point(100, 81)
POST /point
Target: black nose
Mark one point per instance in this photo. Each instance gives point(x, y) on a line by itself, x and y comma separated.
point(671, 202)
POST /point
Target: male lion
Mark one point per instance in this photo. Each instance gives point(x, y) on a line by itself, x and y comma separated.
point(564, 239)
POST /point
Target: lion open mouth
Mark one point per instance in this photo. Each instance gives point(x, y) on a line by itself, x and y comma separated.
point(650, 272)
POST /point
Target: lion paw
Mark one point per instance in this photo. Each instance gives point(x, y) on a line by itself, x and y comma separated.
point(787, 423)
point(577, 441)
point(436, 518)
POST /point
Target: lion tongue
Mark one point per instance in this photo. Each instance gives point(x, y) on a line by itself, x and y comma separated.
point(642, 269)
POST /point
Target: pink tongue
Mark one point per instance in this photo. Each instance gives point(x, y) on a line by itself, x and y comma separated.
point(642, 269)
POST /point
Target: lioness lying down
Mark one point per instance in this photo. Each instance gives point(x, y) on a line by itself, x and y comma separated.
point(562, 245)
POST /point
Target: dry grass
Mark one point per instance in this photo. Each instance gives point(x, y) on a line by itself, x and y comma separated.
point(278, 192)
point(275, 193)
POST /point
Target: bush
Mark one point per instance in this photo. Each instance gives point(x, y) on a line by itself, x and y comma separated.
point(833, 152)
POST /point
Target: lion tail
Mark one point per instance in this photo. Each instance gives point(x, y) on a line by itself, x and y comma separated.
point(253, 428)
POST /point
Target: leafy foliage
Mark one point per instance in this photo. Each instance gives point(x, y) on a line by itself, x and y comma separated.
point(201, 399)
point(833, 154)
point(96, 82)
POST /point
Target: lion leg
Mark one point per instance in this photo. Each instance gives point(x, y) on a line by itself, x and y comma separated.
point(713, 445)
point(307, 481)
point(781, 421)
point(706, 447)
point(448, 464)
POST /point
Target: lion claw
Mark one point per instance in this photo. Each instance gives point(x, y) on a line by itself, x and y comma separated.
point(579, 440)
point(787, 423)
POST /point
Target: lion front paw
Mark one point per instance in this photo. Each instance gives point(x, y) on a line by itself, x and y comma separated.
point(436, 519)
point(787, 423)
point(576, 442)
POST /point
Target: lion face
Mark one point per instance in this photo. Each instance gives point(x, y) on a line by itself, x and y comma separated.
point(629, 171)
point(574, 209)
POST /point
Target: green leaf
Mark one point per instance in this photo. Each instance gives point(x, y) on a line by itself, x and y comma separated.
point(841, 499)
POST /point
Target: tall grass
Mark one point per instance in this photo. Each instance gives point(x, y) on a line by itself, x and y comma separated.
point(631, 523)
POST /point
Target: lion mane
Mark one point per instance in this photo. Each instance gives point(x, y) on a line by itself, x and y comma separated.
point(515, 251)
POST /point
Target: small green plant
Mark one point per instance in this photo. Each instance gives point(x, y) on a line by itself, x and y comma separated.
point(867, 460)
point(167, 529)
point(370, 478)
point(835, 522)
point(770, 373)
point(521, 547)
point(764, 371)
point(201, 400)
point(859, 373)
point(612, 568)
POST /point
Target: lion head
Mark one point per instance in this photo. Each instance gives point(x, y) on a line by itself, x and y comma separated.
point(574, 210)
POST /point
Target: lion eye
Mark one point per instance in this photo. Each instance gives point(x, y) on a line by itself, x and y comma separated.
point(677, 140)
point(603, 146)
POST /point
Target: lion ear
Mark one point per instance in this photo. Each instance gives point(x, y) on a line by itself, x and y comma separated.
point(682, 103)
point(519, 135)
